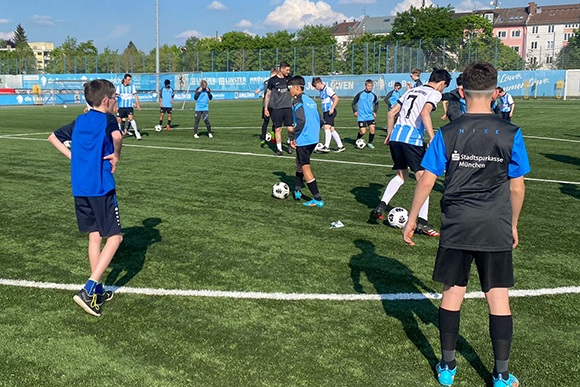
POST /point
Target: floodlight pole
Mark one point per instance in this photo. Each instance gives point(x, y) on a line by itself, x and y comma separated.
point(157, 48)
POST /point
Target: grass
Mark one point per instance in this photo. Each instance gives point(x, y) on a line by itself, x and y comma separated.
point(200, 220)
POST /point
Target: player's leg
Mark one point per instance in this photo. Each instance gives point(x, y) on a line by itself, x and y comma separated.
point(339, 145)
point(298, 180)
point(289, 129)
point(95, 241)
point(278, 136)
point(207, 123)
point(362, 129)
point(288, 122)
point(169, 120)
point(121, 122)
point(134, 126)
point(196, 124)
point(371, 135)
point(303, 158)
point(423, 225)
point(161, 117)
point(265, 124)
point(392, 188)
point(327, 133)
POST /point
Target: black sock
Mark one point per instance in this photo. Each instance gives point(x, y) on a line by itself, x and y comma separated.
point(359, 135)
point(298, 181)
point(122, 126)
point(448, 332)
point(371, 137)
point(501, 331)
point(169, 122)
point(314, 189)
point(160, 122)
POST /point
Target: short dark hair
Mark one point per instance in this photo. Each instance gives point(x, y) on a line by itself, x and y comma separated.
point(500, 89)
point(283, 65)
point(96, 90)
point(440, 75)
point(416, 72)
point(167, 82)
point(398, 84)
point(368, 81)
point(316, 80)
point(479, 76)
point(297, 81)
point(459, 80)
point(127, 76)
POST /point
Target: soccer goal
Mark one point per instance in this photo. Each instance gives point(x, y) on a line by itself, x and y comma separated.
point(63, 91)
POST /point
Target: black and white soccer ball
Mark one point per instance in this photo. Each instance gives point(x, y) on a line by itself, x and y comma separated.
point(158, 128)
point(360, 143)
point(280, 190)
point(398, 217)
point(268, 137)
point(67, 143)
point(319, 147)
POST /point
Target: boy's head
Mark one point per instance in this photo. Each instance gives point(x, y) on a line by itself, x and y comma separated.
point(459, 80)
point(369, 85)
point(127, 79)
point(398, 86)
point(101, 94)
point(439, 79)
point(284, 69)
point(500, 91)
point(296, 86)
point(480, 81)
point(273, 71)
point(415, 74)
point(203, 84)
point(167, 83)
point(317, 83)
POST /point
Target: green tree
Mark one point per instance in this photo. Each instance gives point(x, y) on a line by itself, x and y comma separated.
point(569, 56)
point(19, 35)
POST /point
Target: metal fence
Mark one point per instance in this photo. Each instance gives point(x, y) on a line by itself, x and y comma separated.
point(366, 58)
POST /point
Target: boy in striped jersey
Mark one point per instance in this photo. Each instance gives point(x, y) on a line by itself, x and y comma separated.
point(166, 96)
point(405, 138)
point(125, 94)
point(329, 102)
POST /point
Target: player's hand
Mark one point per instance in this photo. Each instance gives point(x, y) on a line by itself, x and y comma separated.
point(266, 112)
point(388, 139)
point(511, 115)
point(444, 117)
point(409, 231)
point(200, 89)
point(86, 110)
point(429, 143)
point(515, 235)
point(356, 114)
point(139, 107)
point(408, 86)
point(374, 115)
point(331, 111)
point(113, 159)
point(293, 144)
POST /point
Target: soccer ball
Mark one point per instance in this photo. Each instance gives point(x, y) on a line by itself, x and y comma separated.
point(319, 147)
point(158, 128)
point(268, 137)
point(360, 143)
point(280, 190)
point(67, 143)
point(64, 106)
point(398, 217)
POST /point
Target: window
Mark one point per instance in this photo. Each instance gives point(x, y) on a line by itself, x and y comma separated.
point(549, 59)
point(550, 44)
point(502, 34)
point(551, 29)
point(516, 34)
point(489, 16)
point(517, 48)
point(534, 29)
point(568, 36)
point(534, 60)
point(534, 45)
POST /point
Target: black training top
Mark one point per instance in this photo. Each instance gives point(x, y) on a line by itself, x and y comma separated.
point(280, 98)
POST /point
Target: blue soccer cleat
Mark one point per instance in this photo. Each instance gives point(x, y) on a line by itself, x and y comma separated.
point(445, 375)
point(314, 203)
point(297, 195)
point(511, 382)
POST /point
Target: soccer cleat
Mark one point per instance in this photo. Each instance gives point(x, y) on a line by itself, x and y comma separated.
point(314, 203)
point(324, 150)
point(195, 136)
point(445, 376)
point(168, 127)
point(379, 211)
point(262, 143)
point(279, 153)
point(511, 382)
point(297, 195)
point(423, 227)
point(370, 145)
point(137, 135)
point(88, 303)
point(289, 150)
point(107, 296)
point(210, 135)
point(341, 149)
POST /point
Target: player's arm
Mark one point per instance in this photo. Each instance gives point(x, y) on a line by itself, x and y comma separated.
point(266, 102)
point(426, 117)
point(161, 97)
point(117, 138)
point(334, 104)
point(172, 96)
point(209, 94)
point(300, 123)
point(444, 117)
point(512, 107)
point(355, 103)
point(58, 137)
point(517, 193)
point(376, 106)
point(388, 99)
point(136, 100)
point(519, 166)
point(391, 120)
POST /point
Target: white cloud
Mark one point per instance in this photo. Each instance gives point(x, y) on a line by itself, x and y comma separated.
point(243, 24)
point(470, 5)
point(295, 14)
point(6, 35)
point(217, 6)
point(249, 33)
point(407, 4)
point(189, 34)
point(348, 2)
point(42, 20)
point(4, 21)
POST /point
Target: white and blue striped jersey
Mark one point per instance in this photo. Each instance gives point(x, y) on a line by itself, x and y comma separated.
point(125, 94)
point(506, 102)
point(326, 95)
point(410, 128)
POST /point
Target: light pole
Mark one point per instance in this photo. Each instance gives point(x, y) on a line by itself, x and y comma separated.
point(157, 47)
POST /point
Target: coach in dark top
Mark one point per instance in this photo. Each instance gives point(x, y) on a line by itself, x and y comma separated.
point(278, 104)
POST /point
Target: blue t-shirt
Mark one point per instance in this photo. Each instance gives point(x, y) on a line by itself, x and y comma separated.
point(202, 99)
point(306, 120)
point(91, 140)
point(366, 103)
point(167, 94)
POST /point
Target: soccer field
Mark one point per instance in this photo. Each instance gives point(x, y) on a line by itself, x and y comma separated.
point(223, 285)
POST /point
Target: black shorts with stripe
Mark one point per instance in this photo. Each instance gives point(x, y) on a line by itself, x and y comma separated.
point(98, 213)
point(406, 156)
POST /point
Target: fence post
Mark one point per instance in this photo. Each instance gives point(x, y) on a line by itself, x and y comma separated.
point(170, 66)
point(17, 67)
point(403, 59)
point(212, 64)
point(563, 56)
point(379, 61)
point(374, 56)
point(367, 54)
point(410, 59)
point(107, 63)
point(387, 60)
point(352, 61)
point(131, 63)
point(243, 59)
point(313, 60)
point(495, 63)
point(227, 60)
point(419, 54)
point(396, 54)
point(197, 60)
point(332, 60)
point(260, 59)
point(96, 64)
point(119, 63)
point(293, 62)
point(443, 59)
point(75, 64)
point(277, 56)
point(469, 50)
point(143, 63)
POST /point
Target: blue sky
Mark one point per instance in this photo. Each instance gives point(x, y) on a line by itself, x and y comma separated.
point(115, 23)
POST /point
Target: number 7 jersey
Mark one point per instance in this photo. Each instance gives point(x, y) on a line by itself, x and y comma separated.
point(409, 128)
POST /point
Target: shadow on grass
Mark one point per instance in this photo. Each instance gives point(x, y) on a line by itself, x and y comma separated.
point(388, 275)
point(563, 158)
point(570, 189)
point(130, 257)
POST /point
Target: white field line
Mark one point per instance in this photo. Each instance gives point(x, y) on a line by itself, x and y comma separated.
point(286, 296)
point(272, 156)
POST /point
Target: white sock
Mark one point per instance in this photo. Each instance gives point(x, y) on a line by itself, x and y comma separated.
point(424, 211)
point(327, 137)
point(392, 188)
point(134, 125)
point(279, 146)
point(336, 137)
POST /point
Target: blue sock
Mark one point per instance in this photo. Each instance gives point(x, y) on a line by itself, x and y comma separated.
point(90, 287)
point(100, 289)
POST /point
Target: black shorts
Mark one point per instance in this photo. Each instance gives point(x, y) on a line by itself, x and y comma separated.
point(166, 110)
point(303, 154)
point(98, 213)
point(264, 117)
point(495, 269)
point(364, 124)
point(506, 116)
point(329, 118)
point(407, 156)
point(124, 112)
point(282, 117)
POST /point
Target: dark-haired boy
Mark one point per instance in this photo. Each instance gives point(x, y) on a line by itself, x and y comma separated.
point(95, 150)
point(365, 106)
point(506, 105)
point(484, 160)
point(278, 104)
point(406, 140)
point(329, 101)
point(453, 104)
point(126, 92)
point(166, 96)
point(265, 119)
point(304, 138)
point(392, 97)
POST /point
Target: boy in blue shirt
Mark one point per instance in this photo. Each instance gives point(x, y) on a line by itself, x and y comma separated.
point(304, 138)
point(365, 106)
point(166, 96)
point(202, 97)
point(484, 160)
point(96, 142)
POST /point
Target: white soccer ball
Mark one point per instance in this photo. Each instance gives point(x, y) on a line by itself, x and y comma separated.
point(360, 143)
point(64, 106)
point(268, 137)
point(319, 147)
point(280, 190)
point(398, 217)
point(67, 143)
point(158, 128)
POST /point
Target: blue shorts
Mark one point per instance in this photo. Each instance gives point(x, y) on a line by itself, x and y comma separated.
point(98, 213)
